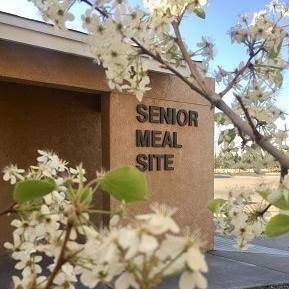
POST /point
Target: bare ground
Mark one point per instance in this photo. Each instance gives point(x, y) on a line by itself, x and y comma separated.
point(223, 185)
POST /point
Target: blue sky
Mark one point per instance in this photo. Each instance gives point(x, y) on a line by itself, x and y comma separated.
point(221, 15)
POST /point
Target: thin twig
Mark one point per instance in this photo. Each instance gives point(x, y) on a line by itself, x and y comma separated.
point(283, 173)
point(261, 214)
point(248, 117)
point(207, 92)
point(156, 57)
point(61, 258)
point(240, 73)
point(192, 65)
point(9, 210)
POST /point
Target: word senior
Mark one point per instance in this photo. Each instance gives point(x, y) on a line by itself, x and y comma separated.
point(156, 114)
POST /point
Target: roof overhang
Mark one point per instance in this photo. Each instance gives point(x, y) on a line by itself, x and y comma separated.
point(40, 34)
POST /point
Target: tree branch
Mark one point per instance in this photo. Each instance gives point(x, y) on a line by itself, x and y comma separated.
point(247, 114)
point(192, 64)
point(9, 210)
point(262, 213)
point(217, 101)
point(206, 92)
point(61, 258)
point(239, 73)
point(283, 174)
point(169, 67)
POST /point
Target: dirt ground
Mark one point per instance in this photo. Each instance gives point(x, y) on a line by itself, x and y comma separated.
point(223, 185)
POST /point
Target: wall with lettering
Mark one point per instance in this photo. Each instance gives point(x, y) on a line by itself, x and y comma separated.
point(170, 137)
point(161, 139)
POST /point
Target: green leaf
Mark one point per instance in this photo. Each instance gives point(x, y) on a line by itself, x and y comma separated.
point(213, 205)
point(277, 226)
point(273, 53)
point(281, 203)
point(227, 136)
point(29, 190)
point(232, 134)
point(86, 197)
point(221, 138)
point(278, 78)
point(200, 12)
point(125, 184)
point(219, 118)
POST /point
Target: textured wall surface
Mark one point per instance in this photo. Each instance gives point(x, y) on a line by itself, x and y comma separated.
point(71, 124)
point(23, 63)
point(189, 187)
point(68, 123)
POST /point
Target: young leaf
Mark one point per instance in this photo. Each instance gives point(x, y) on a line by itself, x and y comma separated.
point(86, 197)
point(200, 12)
point(277, 226)
point(29, 190)
point(213, 205)
point(125, 184)
point(275, 51)
point(281, 203)
point(221, 138)
point(219, 118)
point(231, 135)
point(278, 78)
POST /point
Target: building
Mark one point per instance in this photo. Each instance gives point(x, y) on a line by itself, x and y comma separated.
point(53, 96)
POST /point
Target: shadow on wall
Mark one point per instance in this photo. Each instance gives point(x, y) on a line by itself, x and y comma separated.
point(32, 118)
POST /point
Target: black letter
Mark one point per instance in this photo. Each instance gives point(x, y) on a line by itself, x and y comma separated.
point(174, 116)
point(143, 138)
point(167, 140)
point(141, 162)
point(175, 140)
point(154, 111)
point(179, 118)
point(158, 160)
point(166, 115)
point(141, 109)
point(193, 117)
point(151, 162)
point(156, 138)
point(169, 161)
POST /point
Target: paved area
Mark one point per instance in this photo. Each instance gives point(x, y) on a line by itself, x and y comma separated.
point(264, 266)
point(265, 263)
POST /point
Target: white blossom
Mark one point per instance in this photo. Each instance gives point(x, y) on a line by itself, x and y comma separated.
point(12, 173)
point(160, 221)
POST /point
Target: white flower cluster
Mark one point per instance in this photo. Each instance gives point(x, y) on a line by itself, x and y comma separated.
point(264, 113)
point(174, 8)
point(55, 10)
point(260, 104)
point(261, 28)
point(111, 46)
point(49, 166)
point(240, 218)
point(142, 253)
point(264, 35)
point(206, 49)
point(120, 35)
point(58, 232)
point(275, 195)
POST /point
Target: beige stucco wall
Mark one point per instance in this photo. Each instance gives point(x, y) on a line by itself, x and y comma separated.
point(190, 185)
point(69, 123)
point(33, 65)
point(32, 118)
